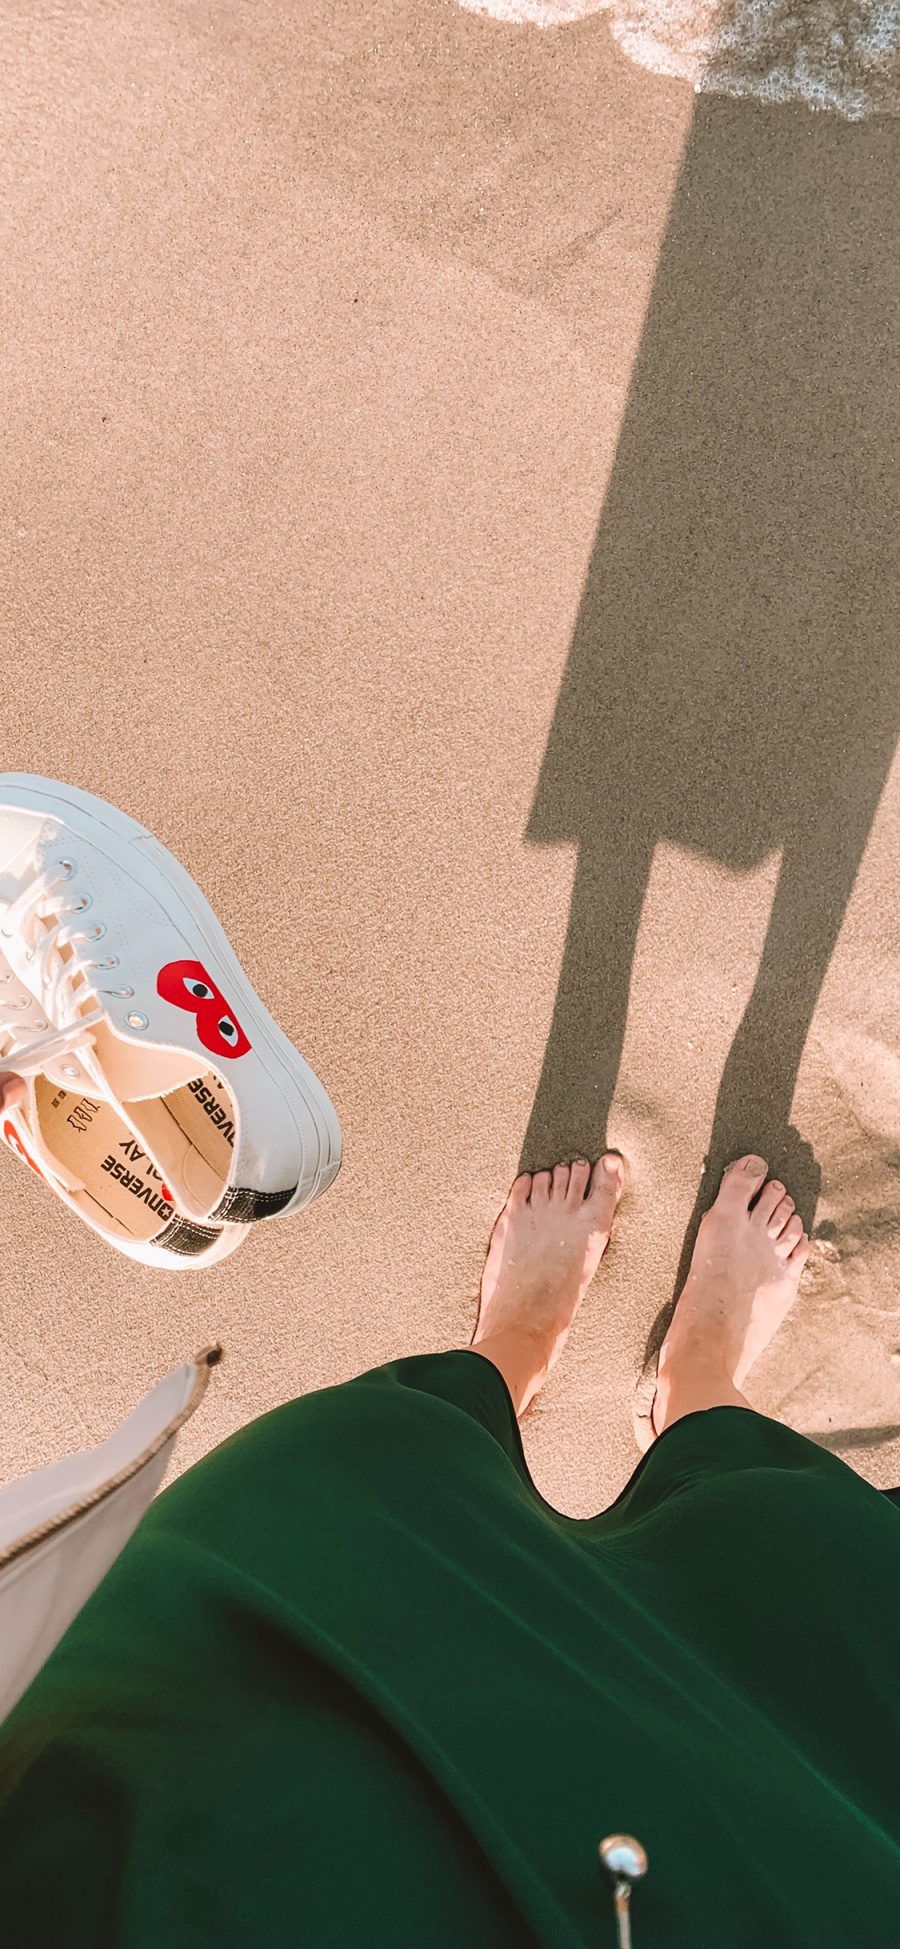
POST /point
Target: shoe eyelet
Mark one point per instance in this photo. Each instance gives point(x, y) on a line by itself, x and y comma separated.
point(84, 900)
point(68, 1069)
point(123, 992)
point(42, 1025)
point(137, 1021)
point(70, 865)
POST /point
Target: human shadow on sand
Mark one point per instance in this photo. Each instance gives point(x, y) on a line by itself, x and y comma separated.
point(739, 624)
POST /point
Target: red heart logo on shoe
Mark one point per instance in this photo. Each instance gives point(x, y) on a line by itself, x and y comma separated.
point(186, 984)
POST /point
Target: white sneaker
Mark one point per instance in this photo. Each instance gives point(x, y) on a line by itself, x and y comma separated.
point(195, 1072)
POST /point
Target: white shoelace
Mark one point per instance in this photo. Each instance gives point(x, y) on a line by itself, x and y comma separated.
point(54, 983)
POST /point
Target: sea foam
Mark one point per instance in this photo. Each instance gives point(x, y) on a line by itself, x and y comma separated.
point(827, 54)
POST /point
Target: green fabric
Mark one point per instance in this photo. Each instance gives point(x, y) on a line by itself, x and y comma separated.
point(353, 1681)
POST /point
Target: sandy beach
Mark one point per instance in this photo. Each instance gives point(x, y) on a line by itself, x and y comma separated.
point(450, 495)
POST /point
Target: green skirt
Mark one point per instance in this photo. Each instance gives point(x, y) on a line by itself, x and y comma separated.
point(353, 1681)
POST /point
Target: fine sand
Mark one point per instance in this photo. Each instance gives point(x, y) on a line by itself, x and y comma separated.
point(450, 494)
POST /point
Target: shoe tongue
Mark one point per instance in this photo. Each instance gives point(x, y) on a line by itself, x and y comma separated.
point(129, 1071)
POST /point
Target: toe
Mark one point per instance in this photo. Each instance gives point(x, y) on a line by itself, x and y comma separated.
point(791, 1236)
point(609, 1175)
point(579, 1173)
point(743, 1178)
point(769, 1200)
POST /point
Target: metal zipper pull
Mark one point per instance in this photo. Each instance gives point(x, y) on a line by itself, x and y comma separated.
point(625, 1861)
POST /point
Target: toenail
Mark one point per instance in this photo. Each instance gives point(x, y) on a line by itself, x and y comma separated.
point(754, 1165)
point(611, 1164)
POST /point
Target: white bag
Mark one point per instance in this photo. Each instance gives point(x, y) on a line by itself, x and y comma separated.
point(61, 1527)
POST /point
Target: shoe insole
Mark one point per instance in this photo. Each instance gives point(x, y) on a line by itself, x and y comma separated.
point(91, 1140)
point(192, 1131)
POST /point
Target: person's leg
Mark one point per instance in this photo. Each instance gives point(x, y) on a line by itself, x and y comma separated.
point(743, 1280)
point(515, 1357)
point(544, 1250)
point(684, 1386)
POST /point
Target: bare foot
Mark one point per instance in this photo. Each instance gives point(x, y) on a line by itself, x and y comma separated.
point(545, 1248)
point(742, 1282)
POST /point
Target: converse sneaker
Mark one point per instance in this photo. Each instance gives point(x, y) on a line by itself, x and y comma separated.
point(204, 1085)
